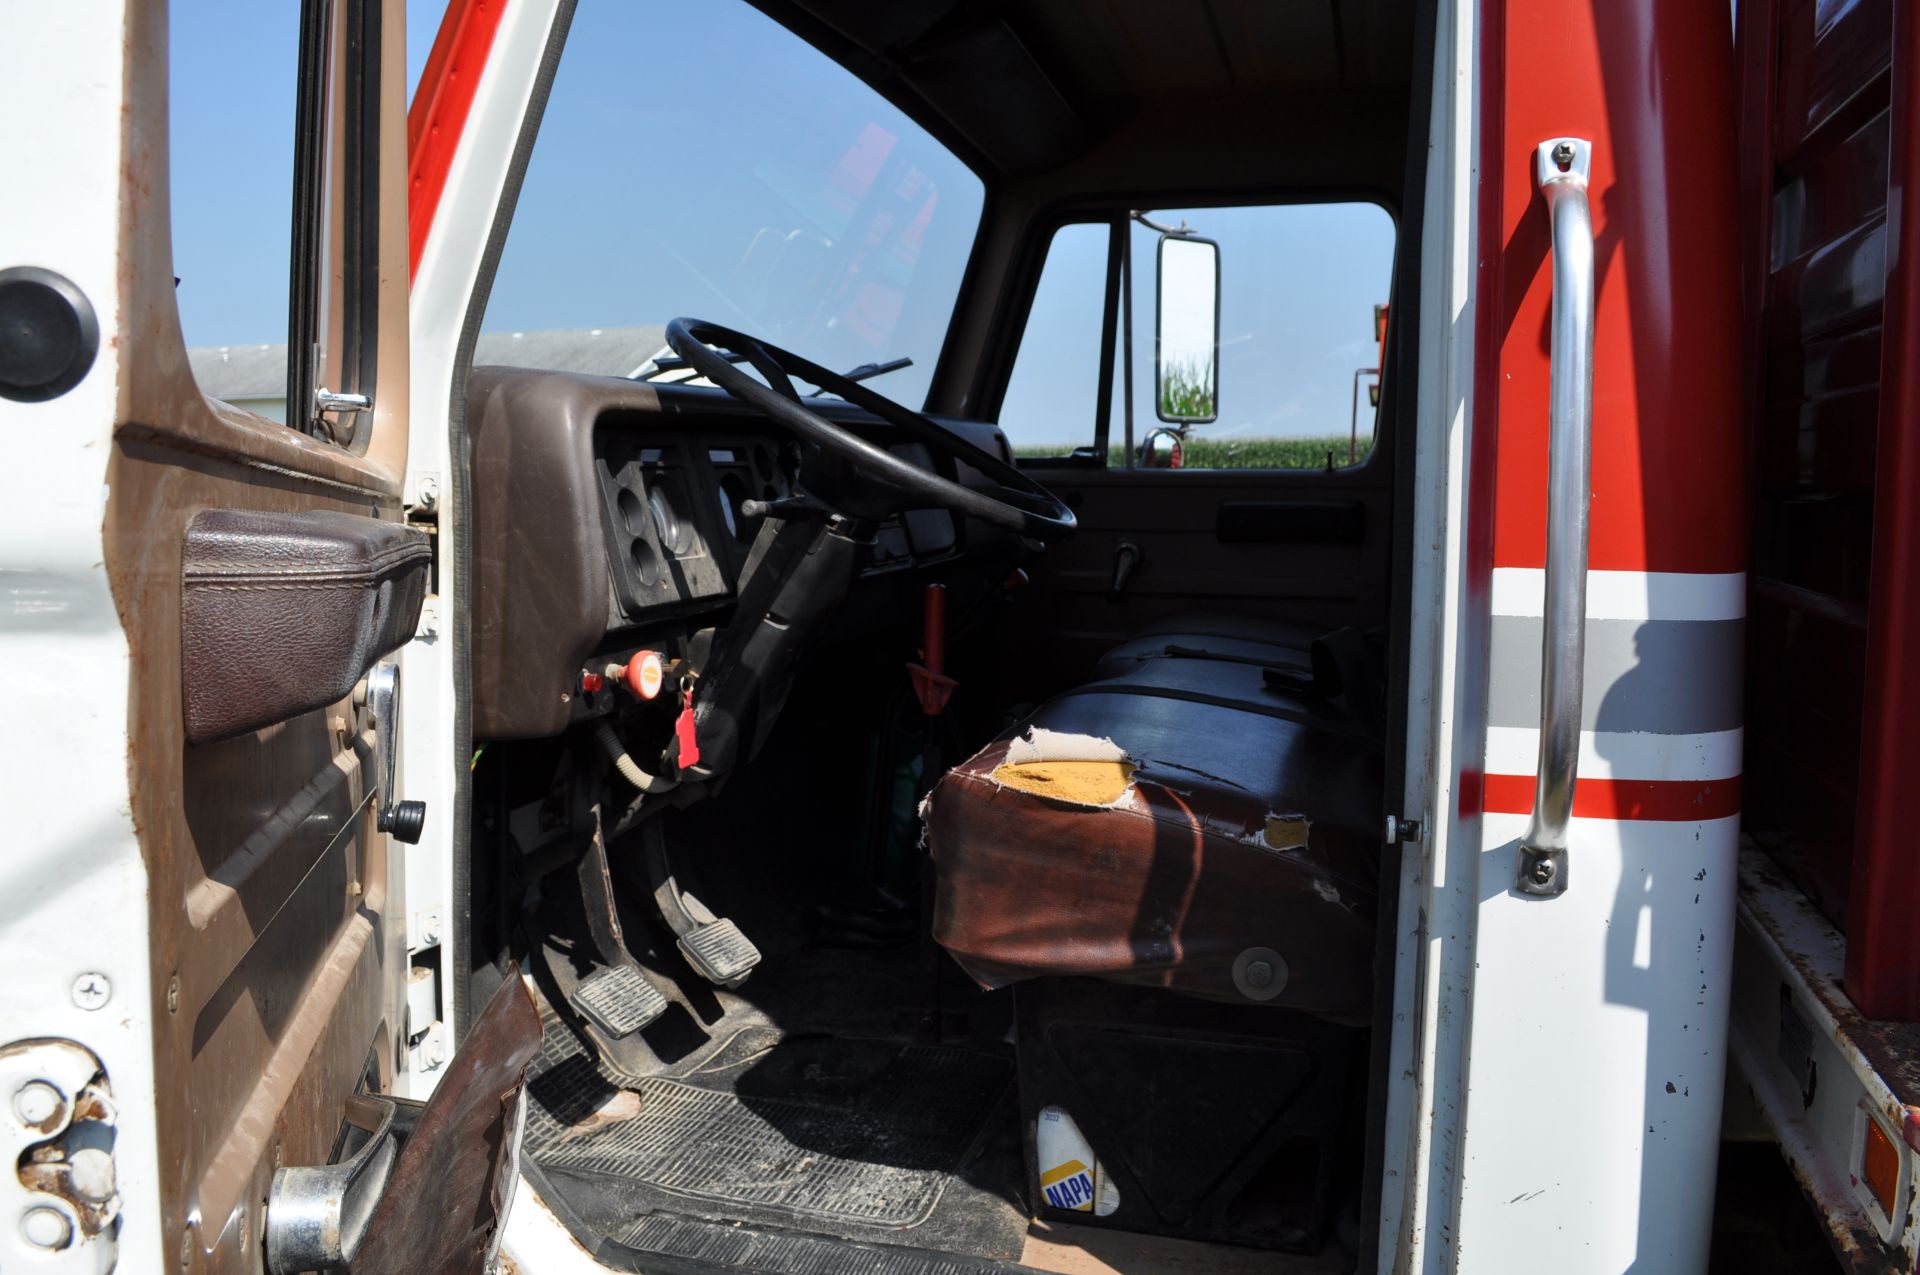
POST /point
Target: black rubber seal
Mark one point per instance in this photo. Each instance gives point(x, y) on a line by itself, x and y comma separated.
point(49, 335)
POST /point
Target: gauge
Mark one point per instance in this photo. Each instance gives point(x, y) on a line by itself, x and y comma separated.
point(665, 521)
point(734, 494)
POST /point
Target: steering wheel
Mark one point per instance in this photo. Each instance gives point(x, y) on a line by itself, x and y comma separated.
point(1014, 501)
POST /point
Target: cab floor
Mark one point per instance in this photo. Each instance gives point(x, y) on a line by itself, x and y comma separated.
point(826, 1127)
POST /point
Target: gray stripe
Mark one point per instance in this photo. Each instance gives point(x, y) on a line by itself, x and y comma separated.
point(1663, 677)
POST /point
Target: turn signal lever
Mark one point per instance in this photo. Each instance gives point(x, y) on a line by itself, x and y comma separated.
point(791, 508)
point(401, 820)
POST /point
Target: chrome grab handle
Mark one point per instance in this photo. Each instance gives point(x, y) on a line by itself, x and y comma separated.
point(1562, 166)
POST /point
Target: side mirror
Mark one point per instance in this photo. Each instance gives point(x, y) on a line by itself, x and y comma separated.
point(1162, 450)
point(1186, 347)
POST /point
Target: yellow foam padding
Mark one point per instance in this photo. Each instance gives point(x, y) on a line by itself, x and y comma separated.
point(1285, 832)
point(1084, 783)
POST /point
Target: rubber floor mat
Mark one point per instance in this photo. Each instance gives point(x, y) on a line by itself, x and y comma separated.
point(715, 1244)
point(873, 1144)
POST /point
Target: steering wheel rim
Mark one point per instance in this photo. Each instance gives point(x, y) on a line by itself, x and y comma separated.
point(1044, 518)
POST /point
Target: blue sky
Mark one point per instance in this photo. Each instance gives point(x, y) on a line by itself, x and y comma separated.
point(699, 159)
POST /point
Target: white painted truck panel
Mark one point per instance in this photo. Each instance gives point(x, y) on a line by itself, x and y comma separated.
point(443, 288)
point(73, 888)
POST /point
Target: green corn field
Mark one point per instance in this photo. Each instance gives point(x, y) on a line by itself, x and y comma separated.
point(1199, 452)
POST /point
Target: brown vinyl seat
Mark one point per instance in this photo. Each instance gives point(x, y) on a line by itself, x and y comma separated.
point(1195, 819)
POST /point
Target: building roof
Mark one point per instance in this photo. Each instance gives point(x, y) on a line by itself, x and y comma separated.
point(239, 372)
point(242, 372)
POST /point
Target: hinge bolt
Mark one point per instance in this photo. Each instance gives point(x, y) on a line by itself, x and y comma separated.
point(46, 1228)
point(1399, 830)
point(36, 1102)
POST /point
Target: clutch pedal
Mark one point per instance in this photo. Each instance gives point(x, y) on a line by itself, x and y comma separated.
point(618, 1000)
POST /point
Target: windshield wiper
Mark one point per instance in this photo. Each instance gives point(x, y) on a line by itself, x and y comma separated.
point(674, 363)
point(867, 371)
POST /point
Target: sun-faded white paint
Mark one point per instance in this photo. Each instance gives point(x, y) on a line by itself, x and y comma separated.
point(437, 312)
point(1515, 750)
point(1789, 959)
point(1597, 1052)
point(1630, 595)
point(73, 886)
point(1433, 967)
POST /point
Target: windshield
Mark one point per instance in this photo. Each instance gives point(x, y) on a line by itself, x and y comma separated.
point(701, 160)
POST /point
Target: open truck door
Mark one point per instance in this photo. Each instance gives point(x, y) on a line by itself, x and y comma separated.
point(209, 945)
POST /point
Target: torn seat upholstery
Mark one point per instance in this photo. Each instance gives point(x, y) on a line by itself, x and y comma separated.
point(1188, 821)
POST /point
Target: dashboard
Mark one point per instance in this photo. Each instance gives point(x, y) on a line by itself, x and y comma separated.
point(605, 510)
point(677, 505)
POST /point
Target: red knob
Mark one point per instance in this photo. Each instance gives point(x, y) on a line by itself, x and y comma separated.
point(645, 674)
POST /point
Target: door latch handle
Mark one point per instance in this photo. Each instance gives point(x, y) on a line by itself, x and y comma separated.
point(1562, 167)
point(402, 820)
point(1126, 560)
point(326, 400)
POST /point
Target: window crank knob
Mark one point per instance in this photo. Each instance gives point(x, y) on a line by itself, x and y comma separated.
point(405, 821)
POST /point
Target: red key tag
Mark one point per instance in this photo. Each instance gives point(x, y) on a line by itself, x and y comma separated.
point(683, 732)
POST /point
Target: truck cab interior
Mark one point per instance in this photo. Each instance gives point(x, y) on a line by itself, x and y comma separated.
point(936, 574)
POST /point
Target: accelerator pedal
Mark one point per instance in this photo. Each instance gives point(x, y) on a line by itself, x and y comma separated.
point(713, 945)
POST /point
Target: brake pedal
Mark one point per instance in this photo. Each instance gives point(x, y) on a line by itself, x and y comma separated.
point(618, 1000)
point(713, 945)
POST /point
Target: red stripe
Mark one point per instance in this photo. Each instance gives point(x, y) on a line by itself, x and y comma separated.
point(440, 108)
point(1669, 455)
point(1660, 800)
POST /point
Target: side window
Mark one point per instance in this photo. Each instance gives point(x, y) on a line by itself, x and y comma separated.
point(1294, 382)
point(275, 204)
point(1052, 403)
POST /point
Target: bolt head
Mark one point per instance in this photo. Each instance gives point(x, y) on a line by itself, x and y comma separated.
point(91, 1171)
point(1563, 156)
point(45, 1227)
point(1260, 974)
point(37, 1102)
point(1542, 872)
point(92, 991)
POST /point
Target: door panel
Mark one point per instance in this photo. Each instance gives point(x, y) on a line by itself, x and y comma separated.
point(272, 897)
point(1307, 547)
